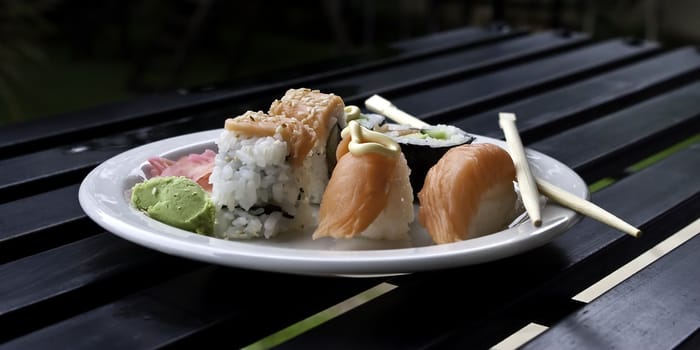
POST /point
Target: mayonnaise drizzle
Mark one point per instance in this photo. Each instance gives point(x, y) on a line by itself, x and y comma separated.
point(366, 141)
point(352, 113)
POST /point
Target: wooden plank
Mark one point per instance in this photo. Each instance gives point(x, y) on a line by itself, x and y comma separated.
point(615, 137)
point(454, 38)
point(558, 109)
point(461, 307)
point(57, 167)
point(49, 220)
point(246, 305)
point(450, 65)
point(65, 281)
point(447, 101)
point(39, 277)
point(420, 48)
point(60, 166)
point(45, 203)
point(657, 308)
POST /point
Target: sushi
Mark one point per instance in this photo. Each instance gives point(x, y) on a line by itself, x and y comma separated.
point(258, 179)
point(468, 193)
point(424, 146)
point(369, 194)
point(271, 167)
point(369, 121)
point(321, 112)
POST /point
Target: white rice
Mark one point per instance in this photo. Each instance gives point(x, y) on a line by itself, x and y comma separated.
point(240, 224)
point(393, 222)
point(316, 175)
point(454, 136)
point(256, 191)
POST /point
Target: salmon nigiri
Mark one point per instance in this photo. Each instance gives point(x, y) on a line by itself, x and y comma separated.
point(369, 193)
point(468, 193)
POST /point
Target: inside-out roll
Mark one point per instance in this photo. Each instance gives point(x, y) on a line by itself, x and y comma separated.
point(321, 112)
point(369, 121)
point(271, 167)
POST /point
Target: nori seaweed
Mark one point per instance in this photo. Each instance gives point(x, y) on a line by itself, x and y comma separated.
point(421, 158)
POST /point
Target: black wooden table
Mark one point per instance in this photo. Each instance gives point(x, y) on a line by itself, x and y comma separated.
point(601, 107)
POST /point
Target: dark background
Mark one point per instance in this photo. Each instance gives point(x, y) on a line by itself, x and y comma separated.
point(59, 56)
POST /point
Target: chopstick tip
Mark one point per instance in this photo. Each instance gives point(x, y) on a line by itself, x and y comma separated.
point(506, 116)
point(630, 230)
point(377, 102)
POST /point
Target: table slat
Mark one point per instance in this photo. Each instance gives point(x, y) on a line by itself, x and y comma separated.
point(65, 281)
point(450, 65)
point(445, 101)
point(450, 39)
point(573, 104)
point(61, 221)
point(613, 137)
point(657, 308)
point(242, 306)
point(62, 166)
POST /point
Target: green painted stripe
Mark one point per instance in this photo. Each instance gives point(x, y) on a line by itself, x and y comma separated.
point(321, 317)
point(663, 154)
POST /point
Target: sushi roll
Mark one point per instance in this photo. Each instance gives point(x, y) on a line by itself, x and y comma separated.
point(422, 147)
point(369, 194)
point(369, 121)
point(320, 112)
point(470, 192)
point(259, 179)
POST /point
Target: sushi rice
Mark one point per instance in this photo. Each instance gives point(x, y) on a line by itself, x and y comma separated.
point(257, 192)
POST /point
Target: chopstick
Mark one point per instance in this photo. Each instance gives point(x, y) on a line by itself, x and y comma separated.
point(586, 208)
point(528, 188)
point(382, 106)
point(582, 206)
point(558, 195)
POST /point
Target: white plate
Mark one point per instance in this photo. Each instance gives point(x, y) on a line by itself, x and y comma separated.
point(104, 196)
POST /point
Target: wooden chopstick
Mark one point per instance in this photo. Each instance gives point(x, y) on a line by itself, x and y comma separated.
point(556, 194)
point(382, 106)
point(562, 197)
point(585, 207)
point(528, 188)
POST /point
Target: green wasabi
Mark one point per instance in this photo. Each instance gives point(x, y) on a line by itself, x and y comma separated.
point(176, 201)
